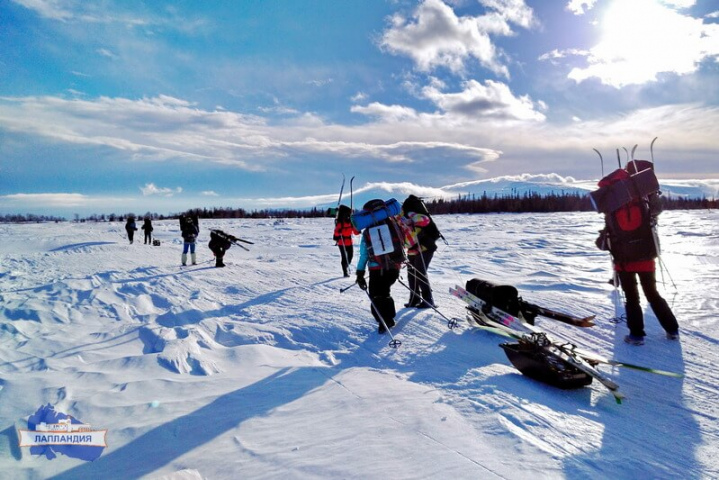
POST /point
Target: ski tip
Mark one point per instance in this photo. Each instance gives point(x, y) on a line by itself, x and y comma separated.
point(587, 322)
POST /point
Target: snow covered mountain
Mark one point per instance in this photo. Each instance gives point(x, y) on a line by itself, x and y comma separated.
point(516, 185)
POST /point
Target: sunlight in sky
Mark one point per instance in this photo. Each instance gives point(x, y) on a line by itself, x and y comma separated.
point(641, 38)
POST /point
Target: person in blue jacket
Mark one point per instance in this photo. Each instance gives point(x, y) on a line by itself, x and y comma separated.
point(383, 273)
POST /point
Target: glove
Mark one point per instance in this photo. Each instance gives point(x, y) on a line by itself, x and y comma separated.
point(361, 282)
point(602, 241)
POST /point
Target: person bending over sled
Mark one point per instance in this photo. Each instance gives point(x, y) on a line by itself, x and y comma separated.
point(343, 236)
point(382, 252)
point(630, 238)
point(220, 242)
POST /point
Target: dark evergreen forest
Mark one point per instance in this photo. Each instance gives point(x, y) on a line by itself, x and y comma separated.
point(469, 204)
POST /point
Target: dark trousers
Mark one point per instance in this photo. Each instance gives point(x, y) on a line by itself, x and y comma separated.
point(130, 235)
point(418, 280)
point(148, 237)
point(635, 317)
point(219, 256)
point(380, 284)
point(346, 254)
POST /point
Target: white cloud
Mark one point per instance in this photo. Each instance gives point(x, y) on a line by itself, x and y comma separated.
point(151, 189)
point(580, 7)
point(634, 52)
point(388, 113)
point(210, 193)
point(555, 54)
point(74, 11)
point(58, 200)
point(436, 37)
point(489, 100)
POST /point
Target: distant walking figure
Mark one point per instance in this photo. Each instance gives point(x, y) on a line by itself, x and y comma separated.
point(147, 227)
point(130, 228)
point(343, 236)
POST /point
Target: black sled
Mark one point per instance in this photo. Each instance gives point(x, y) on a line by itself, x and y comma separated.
point(531, 358)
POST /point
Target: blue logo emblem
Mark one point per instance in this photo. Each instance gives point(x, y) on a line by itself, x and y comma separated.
point(51, 432)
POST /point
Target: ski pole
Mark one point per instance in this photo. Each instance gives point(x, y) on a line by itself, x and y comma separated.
point(342, 290)
point(452, 323)
point(393, 342)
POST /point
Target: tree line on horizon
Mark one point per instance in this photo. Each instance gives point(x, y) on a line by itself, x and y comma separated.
point(529, 202)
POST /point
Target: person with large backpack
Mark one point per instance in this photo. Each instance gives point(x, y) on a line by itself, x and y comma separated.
point(630, 238)
point(421, 235)
point(343, 237)
point(190, 229)
point(382, 252)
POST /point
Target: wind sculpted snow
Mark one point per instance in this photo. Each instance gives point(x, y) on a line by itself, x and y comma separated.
point(263, 369)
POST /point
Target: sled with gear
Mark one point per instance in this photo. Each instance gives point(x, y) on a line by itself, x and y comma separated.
point(155, 243)
point(507, 299)
point(536, 355)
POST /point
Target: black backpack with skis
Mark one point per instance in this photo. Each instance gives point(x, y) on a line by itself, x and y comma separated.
point(629, 234)
point(428, 235)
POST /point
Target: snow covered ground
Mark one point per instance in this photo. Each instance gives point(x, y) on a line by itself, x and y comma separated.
point(264, 369)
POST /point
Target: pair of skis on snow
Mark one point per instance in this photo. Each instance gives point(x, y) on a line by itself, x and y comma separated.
point(487, 317)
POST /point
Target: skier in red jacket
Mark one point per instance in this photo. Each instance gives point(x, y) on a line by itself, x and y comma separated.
point(343, 237)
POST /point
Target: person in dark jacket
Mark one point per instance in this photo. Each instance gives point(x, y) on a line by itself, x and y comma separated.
point(343, 236)
point(630, 237)
point(130, 228)
point(147, 227)
point(220, 242)
point(190, 229)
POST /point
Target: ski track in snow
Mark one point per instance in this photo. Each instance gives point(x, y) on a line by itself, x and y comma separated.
point(264, 369)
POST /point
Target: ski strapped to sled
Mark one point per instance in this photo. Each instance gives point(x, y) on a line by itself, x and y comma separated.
point(490, 318)
point(527, 307)
point(507, 299)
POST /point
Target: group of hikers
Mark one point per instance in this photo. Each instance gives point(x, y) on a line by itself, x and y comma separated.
point(408, 237)
point(131, 228)
point(220, 241)
point(629, 235)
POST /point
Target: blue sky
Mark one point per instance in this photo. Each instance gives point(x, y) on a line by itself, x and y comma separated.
point(129, 106)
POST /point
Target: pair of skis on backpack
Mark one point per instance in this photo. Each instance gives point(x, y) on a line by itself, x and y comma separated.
point(566, 360)
point(232, 239)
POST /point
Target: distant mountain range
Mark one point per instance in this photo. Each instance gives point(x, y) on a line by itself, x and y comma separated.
point(544, 184)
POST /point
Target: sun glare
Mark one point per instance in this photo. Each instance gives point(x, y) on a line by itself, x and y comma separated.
point(641, 38)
